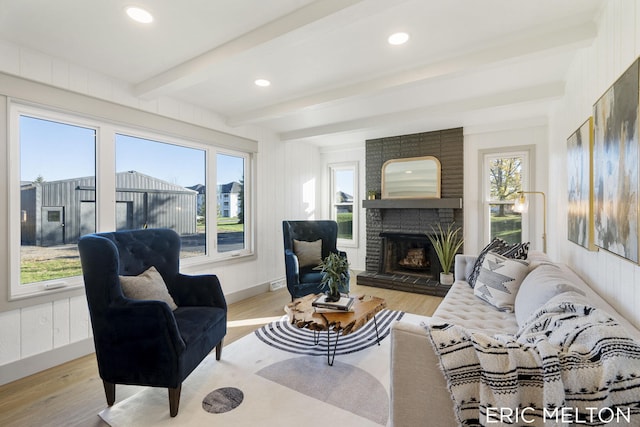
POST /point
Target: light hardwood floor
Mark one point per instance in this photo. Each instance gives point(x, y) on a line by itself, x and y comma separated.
point(72, 395)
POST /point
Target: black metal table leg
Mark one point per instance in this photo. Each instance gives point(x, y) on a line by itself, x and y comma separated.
point(375, 322)
point(331, 357)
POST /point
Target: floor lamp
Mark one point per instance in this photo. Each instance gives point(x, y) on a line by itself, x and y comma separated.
point(522, 205)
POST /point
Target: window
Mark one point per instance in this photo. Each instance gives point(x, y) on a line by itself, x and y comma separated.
point(57, 159)
point(231, 212)
point(157, 186)
point(343, 190)
point(505, 174)
point(71, 176)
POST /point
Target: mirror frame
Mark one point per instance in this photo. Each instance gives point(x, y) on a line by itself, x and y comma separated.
point(427, 194)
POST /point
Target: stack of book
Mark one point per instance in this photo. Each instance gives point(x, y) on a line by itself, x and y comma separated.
point(343, 304)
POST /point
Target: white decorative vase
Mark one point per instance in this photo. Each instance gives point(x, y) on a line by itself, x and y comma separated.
point(446, 279)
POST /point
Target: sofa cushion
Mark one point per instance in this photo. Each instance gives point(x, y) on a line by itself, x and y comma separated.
point(495, 244)
point(462, 307)
point(309, 253)
point(515, 251)
point(147, 286)
point(499, 280)
point(542, 284)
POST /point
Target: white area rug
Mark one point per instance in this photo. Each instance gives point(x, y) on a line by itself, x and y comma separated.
point(279, 387)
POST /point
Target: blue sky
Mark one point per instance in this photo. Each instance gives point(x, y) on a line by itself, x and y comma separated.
point(57, 151)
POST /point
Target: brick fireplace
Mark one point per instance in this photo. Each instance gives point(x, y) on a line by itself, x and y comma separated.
point(399, 253)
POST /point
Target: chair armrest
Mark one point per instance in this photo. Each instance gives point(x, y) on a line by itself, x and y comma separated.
point(292, 268)
point(464, 266)
point(147, 324)
point(198, 290)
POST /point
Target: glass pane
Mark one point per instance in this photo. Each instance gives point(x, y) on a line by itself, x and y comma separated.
point(160, 185)
point(230, 196)
point(57, 174)
point(343, 202)
point(505, 223)
point(505, 178)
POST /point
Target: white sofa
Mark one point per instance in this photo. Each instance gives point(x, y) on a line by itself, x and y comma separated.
point(419, 394)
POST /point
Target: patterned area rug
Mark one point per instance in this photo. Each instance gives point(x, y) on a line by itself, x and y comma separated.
point(262, 381)
point(285, 336)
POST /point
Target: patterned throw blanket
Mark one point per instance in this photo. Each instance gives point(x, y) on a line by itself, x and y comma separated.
point(570, 364)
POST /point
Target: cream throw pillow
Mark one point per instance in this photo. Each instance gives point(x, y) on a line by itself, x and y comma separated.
point(499, 280)
point(148, 286)
point(309, 253)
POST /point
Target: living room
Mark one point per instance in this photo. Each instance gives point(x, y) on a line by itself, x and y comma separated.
point(529, 81)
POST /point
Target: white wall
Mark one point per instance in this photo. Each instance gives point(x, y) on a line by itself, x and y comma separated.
point(36, 335)
point(593, 71)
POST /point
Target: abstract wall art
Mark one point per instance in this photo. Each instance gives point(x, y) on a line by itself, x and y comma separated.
point(616, 166)
point(580, 219)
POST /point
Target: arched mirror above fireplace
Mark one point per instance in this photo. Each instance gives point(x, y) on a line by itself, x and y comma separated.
point(411, 178)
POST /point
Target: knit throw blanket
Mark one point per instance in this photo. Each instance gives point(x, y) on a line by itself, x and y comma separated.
point(570, 364)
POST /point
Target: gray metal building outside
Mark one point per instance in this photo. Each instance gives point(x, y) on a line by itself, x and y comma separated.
point(59, 212)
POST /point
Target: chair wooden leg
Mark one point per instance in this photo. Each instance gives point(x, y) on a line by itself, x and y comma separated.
point(174, 400)
point(219, 350)
point(110, 392)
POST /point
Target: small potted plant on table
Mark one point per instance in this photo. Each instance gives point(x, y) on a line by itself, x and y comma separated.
point(335, 269)
point(446, 243)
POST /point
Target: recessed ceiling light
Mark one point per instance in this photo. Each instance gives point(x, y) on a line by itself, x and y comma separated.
point(262, 82)
point(398, 38)
point(139, 15)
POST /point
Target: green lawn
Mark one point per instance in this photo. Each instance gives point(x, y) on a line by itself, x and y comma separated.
point(36, 267)
point(507, 227)
point(57, 268)
point(228, 225)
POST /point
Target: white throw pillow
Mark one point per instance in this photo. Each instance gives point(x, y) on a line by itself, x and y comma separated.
point(541, 284)
point(499, 280)
point(309, 253)
point(147, 286)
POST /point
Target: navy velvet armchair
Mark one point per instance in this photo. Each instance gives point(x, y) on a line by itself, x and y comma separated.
point(142, 341)
point(304, 280)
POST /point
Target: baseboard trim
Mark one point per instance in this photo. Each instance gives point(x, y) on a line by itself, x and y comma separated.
point(31, 365)
point(247, 293)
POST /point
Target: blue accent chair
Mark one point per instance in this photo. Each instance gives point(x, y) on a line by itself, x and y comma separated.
point(304, 281)
point(143, 342)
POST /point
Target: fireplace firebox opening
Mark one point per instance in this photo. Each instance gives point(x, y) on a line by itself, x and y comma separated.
point(408, 254)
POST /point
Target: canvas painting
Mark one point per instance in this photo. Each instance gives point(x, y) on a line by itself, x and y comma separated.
point(580, 186)
point(616, 166)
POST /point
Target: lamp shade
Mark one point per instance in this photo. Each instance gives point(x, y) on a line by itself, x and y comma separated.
point(521, 204)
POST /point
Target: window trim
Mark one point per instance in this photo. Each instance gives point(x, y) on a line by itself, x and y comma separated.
point(528, 166)
point(106, 128)
point(333, 168)
point(249, 219)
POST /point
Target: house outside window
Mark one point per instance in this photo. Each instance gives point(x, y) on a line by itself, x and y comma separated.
point(344, 195)
point(231, 202)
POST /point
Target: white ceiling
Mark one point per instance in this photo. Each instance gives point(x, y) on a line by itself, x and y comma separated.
point(335, 79)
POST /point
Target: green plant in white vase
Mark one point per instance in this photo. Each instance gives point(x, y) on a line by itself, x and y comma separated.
point(446, 243)
point(335, 269)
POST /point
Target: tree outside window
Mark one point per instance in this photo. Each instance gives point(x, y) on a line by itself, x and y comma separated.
point(505, 178)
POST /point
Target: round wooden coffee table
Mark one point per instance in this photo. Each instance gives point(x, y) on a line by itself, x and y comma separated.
point(304, 315)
